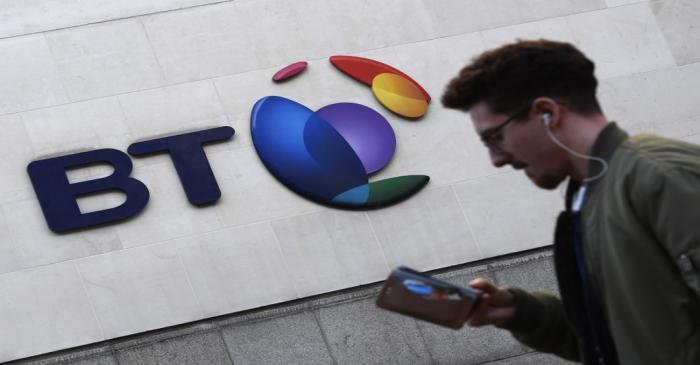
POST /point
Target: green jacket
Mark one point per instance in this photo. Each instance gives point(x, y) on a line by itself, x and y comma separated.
point(641, 229)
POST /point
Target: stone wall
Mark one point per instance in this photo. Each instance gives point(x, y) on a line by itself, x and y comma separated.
point(337, 328)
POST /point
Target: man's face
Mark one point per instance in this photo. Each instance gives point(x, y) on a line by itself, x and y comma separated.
point(522, 143)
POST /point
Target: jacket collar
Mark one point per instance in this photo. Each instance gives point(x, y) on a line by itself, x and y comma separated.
point(608, 140)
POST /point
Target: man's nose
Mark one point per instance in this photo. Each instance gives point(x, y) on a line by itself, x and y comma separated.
point(499, 157)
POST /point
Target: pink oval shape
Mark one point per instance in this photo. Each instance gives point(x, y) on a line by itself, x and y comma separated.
point(289, 71)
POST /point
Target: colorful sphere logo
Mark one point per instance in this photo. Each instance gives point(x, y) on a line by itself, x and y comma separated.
point(328, 155)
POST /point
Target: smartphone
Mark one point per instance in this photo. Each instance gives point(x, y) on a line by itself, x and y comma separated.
point(421, 296)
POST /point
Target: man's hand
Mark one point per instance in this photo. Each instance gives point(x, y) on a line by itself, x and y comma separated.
point(496, 307)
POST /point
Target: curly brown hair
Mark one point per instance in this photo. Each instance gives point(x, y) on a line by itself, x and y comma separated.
point(509, 77)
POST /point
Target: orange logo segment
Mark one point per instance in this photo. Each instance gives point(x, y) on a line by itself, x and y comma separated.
point(394, 89)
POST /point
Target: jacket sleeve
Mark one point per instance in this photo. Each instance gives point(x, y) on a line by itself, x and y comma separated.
point(668, 200)
point(540, 322)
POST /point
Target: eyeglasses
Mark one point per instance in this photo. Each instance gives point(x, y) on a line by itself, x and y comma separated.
point(493, 138)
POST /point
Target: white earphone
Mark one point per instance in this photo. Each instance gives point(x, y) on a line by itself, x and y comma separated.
point(547, 120)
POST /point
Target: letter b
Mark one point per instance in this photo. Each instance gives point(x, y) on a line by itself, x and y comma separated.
point(58, 197)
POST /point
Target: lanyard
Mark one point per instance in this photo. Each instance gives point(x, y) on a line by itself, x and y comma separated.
point(576, 206)
point(589, 296)
point(577, 202)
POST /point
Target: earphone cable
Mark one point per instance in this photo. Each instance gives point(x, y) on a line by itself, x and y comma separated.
point(604, 164)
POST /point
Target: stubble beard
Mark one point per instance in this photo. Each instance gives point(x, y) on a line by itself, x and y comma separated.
point(546, 181)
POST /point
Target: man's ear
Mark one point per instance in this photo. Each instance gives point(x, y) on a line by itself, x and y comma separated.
point(547, 110)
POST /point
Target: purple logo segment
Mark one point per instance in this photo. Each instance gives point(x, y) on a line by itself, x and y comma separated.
point(368, 133)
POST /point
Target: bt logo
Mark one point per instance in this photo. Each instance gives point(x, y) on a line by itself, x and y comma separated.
point(57, 196)
point(325, 155)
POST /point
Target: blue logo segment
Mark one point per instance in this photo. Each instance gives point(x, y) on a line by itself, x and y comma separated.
point(327, 155)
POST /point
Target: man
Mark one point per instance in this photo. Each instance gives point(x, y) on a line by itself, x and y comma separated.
point(627, 247)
